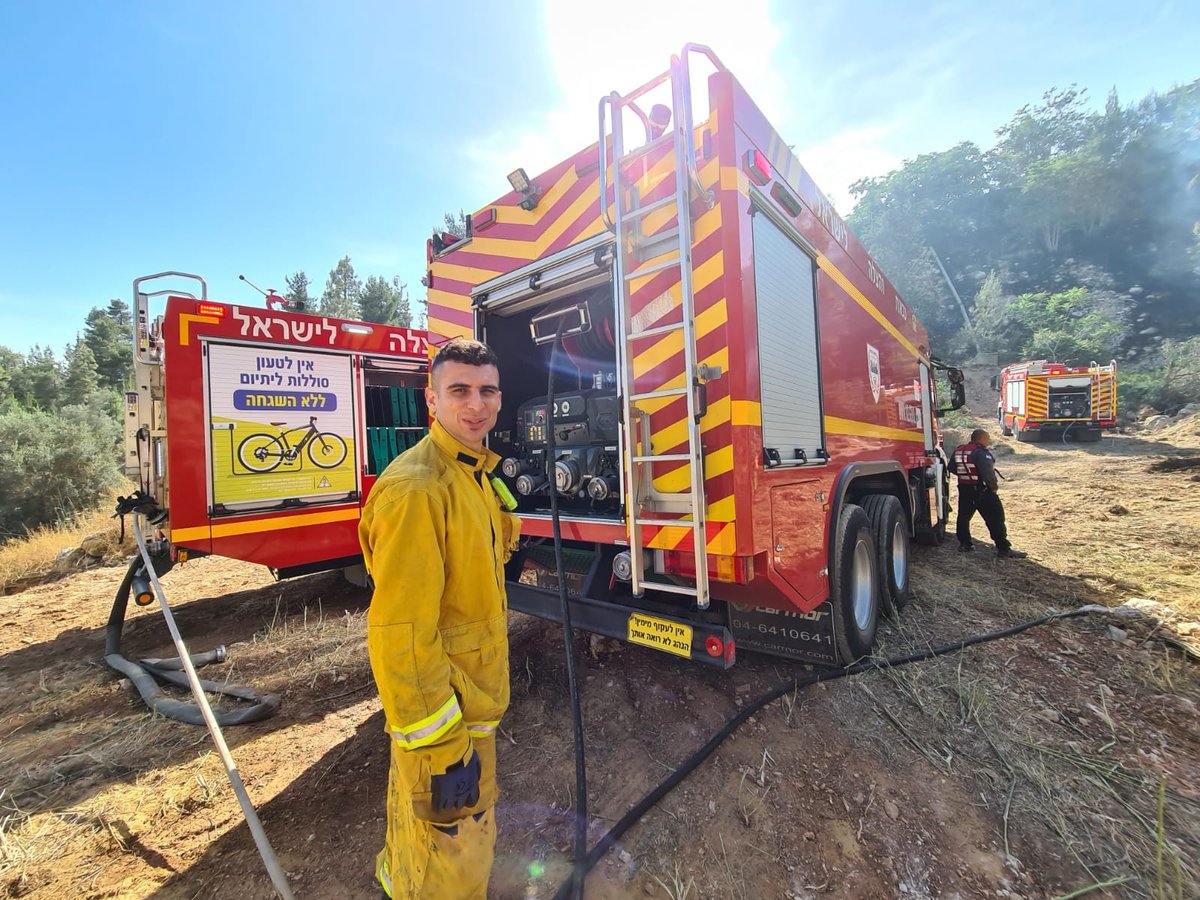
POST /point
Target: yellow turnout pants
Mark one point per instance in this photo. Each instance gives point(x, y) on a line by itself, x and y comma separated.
point(443, 856)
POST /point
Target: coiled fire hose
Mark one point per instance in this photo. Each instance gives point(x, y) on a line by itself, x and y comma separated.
point(185, 662)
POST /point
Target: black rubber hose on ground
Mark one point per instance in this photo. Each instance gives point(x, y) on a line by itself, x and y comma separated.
point(691, 763)
point(143, 674)
point(573, 888)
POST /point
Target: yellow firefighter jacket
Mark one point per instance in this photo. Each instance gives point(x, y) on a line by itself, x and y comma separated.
point(435, 541)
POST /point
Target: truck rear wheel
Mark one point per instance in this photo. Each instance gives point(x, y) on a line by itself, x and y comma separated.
point(854, 585)
point(891, 549)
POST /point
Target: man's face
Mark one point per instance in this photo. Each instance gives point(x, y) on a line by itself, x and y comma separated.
point(466, 400)
point(984, 440)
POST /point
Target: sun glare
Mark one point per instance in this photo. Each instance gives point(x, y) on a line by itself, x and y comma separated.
point(592, 55)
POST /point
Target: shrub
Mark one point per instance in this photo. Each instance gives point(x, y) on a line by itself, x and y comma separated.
point(52, 466)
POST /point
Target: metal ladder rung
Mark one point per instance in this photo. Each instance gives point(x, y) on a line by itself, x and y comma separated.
point(654, 395)
point(668, 588)
point(651, 269)
point(638, 256)
point(636, 214)
point(667, 523)
point(655, 332)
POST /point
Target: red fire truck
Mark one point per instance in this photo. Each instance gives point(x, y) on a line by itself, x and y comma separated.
point(1039, 398)
point(259, 432)
point(744, 418)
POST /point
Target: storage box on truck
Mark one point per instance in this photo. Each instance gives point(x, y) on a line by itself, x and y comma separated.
point(259, 432)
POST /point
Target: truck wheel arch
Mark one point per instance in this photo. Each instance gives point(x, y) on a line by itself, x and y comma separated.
point(859, 479)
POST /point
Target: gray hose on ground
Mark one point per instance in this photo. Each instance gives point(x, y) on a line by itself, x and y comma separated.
point(143, 674)
point(278, 878)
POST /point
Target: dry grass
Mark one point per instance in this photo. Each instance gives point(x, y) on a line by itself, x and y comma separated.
point(66, 768)
point(1093, 515)
point(27, 560)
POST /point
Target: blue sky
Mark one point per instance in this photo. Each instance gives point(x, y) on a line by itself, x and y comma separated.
point(265, 137)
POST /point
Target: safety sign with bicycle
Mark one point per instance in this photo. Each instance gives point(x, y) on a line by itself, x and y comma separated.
point(281, 426)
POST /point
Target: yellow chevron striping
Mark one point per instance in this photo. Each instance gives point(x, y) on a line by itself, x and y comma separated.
point(716, 463)
point(734, 179)
point(725, 542)
point(747, 412)
point(465, 274)
point(708, 223)
point(514, 215)
point(721, 510)
point(531, 250)
point(448, 329)
point(719, 358)
point(676, 433)
point(846, 285)
point(671, 344)
point(835, 425)
point(709, 174)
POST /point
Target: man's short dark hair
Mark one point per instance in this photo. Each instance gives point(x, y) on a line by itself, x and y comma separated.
point(467, 351)
point(978, 433)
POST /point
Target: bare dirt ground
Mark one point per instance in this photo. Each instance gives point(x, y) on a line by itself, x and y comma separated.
point(1062, 762)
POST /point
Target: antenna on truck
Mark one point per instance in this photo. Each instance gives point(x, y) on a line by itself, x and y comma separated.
point(273, 298)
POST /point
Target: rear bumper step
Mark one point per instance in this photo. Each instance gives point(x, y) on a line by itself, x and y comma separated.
point(612, 620)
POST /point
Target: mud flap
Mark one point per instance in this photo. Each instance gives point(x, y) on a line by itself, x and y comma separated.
point(806, 637)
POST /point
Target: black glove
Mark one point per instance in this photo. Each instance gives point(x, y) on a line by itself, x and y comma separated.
point(457, 787)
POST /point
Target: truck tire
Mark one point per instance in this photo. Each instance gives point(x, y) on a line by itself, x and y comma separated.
point(891, 550)
point(854, 585)
point(1025, 436)
point(1089, 435)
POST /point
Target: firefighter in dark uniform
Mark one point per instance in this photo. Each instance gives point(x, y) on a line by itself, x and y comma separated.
point(975, 467)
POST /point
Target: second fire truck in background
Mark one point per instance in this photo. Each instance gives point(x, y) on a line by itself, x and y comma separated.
point(1040, 398)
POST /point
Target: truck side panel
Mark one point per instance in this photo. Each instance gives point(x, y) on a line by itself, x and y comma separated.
point(249, 478)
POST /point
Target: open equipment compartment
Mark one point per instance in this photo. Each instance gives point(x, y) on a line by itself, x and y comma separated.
point(396, 415)
point(586, 417)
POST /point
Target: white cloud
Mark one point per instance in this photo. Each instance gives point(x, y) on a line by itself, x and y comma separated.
point(619, 46)
point(842, 159)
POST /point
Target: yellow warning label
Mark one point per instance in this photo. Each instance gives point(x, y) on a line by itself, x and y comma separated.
point(661, 634)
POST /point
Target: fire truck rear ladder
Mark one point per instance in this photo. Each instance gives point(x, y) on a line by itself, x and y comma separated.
point(668, 249)
point(1104, 399)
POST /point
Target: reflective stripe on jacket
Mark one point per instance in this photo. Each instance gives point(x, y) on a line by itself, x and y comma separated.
point(435, 541)
point(964, 465)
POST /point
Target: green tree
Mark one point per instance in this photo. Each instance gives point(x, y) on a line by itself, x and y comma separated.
point(1069, 192)
point(1072, 326)
point(388, 303)
point(455, 223)
point(38, 383)
point(941, 202)
point(11, 363)
point(342, 290)
point(1060, 125)
point(82, 380)
point(53, 465)
point(108, 334)
point(297, 292)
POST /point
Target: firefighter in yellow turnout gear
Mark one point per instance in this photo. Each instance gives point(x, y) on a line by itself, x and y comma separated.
point(435, 539)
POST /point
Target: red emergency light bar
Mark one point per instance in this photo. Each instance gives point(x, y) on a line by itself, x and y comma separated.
point(211, 309)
